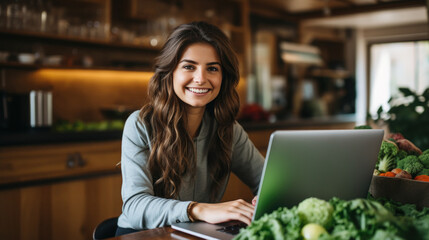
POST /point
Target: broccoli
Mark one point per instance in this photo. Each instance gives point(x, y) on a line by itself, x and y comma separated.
point(388, 148)
point(386, 164)
point(411, 164)
point(387, 156)
point(425, 171)
point(424, 159)
point(425, 151)
point(401, 154)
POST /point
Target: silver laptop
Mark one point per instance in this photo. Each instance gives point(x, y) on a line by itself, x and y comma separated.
point(307, 163)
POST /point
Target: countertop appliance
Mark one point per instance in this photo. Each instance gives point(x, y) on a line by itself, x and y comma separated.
point(21, 111)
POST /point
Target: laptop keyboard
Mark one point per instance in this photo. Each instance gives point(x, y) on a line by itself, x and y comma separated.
point(232, 229)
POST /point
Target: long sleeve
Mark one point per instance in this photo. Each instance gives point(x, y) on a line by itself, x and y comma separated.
point(247, 161)
point(141, 209)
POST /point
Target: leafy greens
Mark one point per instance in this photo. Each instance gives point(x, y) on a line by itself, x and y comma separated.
point(355, 219)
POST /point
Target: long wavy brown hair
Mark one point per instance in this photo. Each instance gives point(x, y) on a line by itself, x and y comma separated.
point(172, 153)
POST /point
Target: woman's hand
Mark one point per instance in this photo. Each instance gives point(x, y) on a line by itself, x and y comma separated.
point(222, 212)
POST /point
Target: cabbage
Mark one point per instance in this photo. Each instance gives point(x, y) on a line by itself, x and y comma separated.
point(314, 210)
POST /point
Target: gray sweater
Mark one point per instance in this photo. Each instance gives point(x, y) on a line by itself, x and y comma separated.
point(142, 210)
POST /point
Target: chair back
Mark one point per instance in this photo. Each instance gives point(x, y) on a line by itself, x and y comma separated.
point(105, 229)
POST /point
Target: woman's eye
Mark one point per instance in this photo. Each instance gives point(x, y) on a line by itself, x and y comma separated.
point(213, 69)
point(188, 67)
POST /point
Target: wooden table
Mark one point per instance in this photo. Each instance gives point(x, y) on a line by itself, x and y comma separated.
point(157, 234)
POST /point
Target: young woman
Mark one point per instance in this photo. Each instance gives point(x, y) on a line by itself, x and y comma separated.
point(179, 149)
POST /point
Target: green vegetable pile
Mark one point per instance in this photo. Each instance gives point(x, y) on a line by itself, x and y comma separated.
point(338, 219)
point(391, 156)
point(80, 126)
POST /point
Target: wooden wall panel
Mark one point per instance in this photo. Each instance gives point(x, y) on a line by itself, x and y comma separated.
point(10, 214)
point(35, 206)
point(104, 197)
point(68, 210)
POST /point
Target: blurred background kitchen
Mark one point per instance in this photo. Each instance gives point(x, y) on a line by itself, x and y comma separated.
point(71, 72)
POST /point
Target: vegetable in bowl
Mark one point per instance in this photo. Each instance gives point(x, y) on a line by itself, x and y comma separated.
point(400, 158)
point(411, 164)
point(425, 171)
point(424, 159)
point(388, 156)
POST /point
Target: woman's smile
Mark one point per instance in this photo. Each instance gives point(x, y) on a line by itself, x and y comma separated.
point(198, 90)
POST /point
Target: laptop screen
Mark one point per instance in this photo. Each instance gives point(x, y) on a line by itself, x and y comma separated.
point(317, 163)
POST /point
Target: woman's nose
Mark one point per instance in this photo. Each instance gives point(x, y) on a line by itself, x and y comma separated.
point(200, 77)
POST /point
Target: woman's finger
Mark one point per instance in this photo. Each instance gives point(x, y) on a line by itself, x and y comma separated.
point(243, 218)
point(244, 205)
point(245, 212)
point(254, 200)
point(243, 209)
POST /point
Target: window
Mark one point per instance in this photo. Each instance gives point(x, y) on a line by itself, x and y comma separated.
point(395, 65)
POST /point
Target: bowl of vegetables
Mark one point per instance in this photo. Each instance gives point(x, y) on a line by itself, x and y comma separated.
point(401, 172)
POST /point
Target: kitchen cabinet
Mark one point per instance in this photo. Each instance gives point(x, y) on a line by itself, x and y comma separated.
point(59, 210)
point(58, 191)
point(19, 164)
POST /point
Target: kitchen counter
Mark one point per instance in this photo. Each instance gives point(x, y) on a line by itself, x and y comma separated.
point(49, 137)
point(301, 123)
point(37, 137)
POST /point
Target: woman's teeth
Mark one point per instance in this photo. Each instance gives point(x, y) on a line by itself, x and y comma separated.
point(198, 90)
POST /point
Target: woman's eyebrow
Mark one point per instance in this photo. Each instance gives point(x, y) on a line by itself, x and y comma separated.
point(189, 61)
point(213, 63)
point(193, 62)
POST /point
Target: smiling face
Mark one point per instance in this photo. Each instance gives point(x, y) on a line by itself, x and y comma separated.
point(198, 76)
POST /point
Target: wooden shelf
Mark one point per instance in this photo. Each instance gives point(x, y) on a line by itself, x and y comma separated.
point(17, 65)
point(75, 40)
